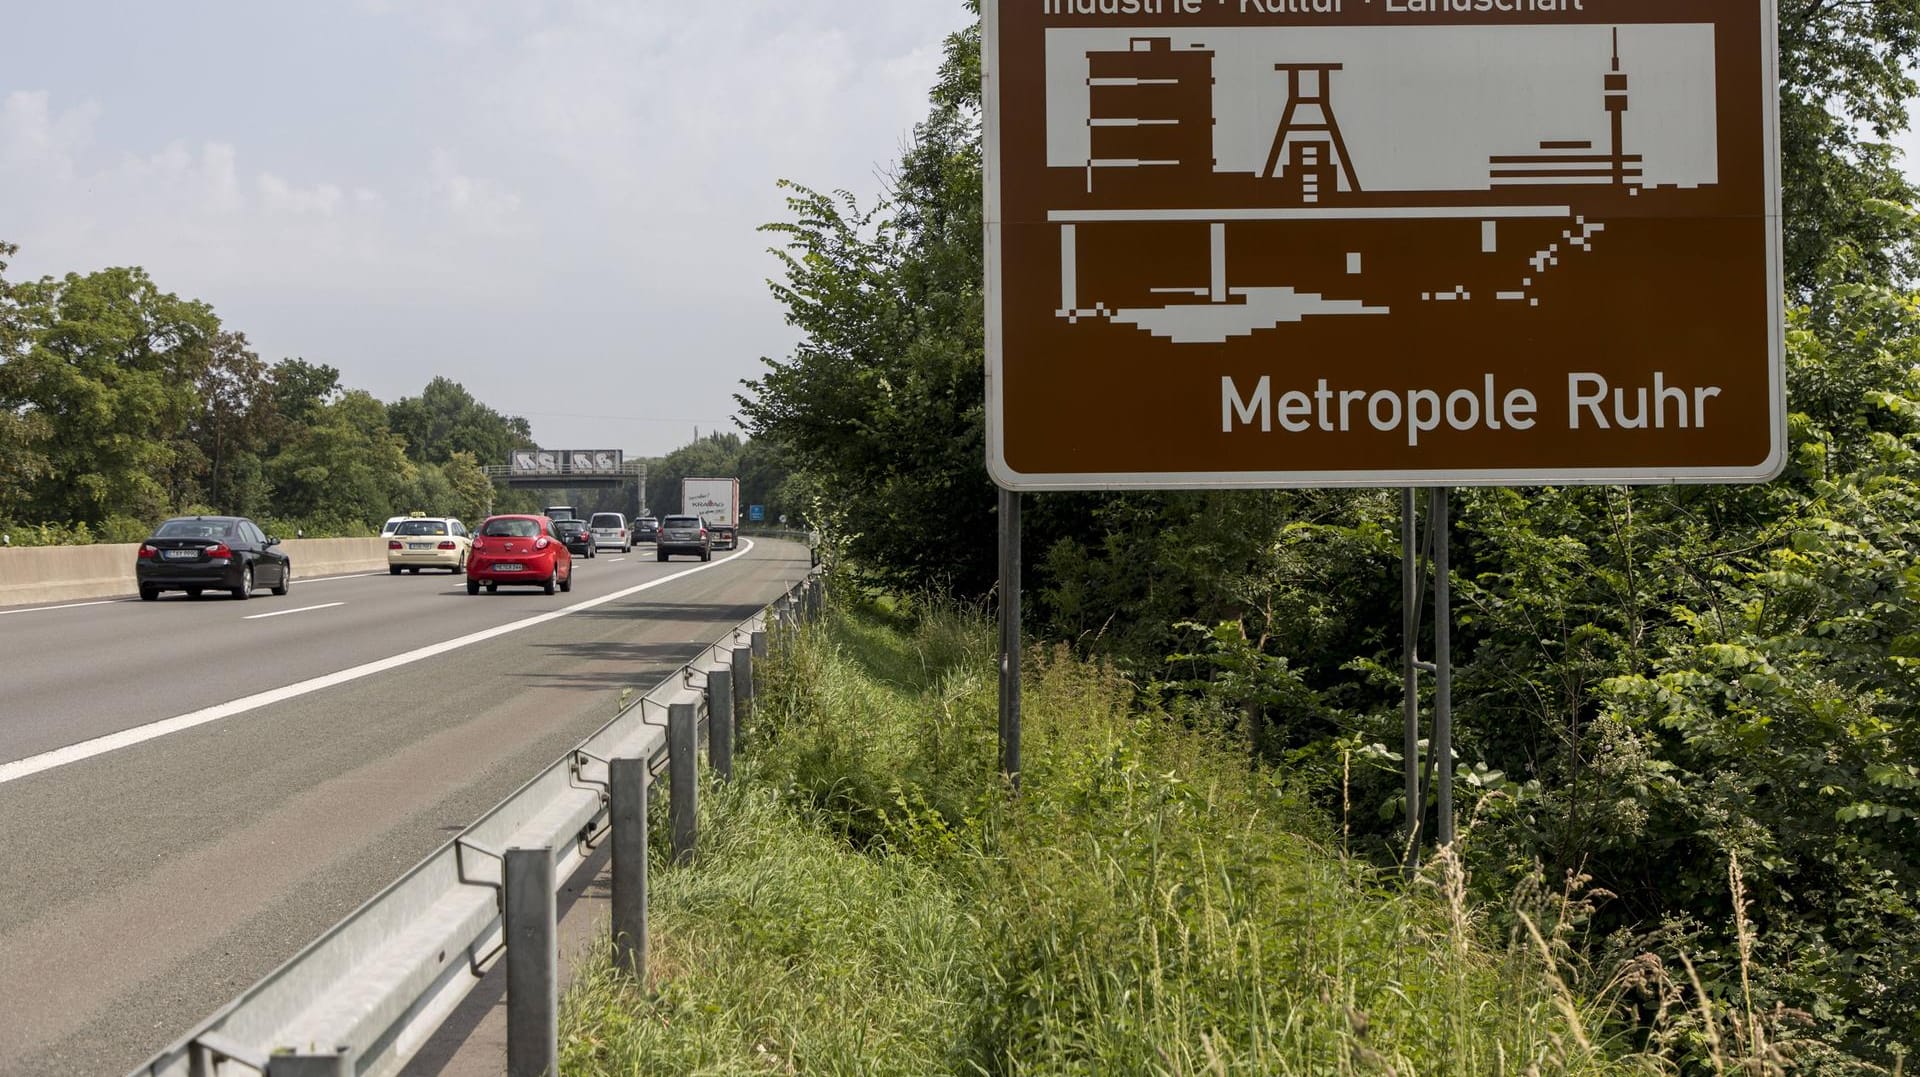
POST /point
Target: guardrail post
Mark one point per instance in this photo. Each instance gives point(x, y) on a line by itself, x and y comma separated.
point(760, 643)
point(742, 691)
point(720, 722)
point(533, 965)
point(629, 779)
point(337, 1064)
point(682, 746)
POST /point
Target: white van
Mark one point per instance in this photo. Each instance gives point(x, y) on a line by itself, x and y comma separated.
point(610, 529)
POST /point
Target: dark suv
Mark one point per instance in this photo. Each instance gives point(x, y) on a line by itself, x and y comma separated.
point(646, 529)
point(683, 534)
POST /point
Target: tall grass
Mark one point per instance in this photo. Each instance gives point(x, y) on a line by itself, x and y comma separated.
point(869, 898)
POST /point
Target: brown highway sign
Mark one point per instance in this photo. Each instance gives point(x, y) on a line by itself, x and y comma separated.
point(1270, 243)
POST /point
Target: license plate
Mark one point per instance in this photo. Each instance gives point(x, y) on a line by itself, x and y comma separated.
point(419, 545)
point(507, 568)
point(181, 555)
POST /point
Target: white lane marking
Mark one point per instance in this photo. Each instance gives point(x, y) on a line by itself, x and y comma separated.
point(611, 560)
point(68, 606)
point(283, 613)
point(112, 601)
point(127, 738)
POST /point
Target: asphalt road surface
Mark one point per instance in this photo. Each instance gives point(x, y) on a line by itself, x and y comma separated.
point(191, 791)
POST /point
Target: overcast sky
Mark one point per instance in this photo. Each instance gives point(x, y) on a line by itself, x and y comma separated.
point(553, 202)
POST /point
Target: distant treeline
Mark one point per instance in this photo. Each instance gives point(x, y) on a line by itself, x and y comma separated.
point(121, 403)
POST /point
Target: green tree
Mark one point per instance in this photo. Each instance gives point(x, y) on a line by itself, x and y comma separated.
point(23, 429)
point(446, 419)
point(345, 467)
point(237, 417)
point(301, 389)
point(883, 399)
point(110, 364)
point(1846, 73)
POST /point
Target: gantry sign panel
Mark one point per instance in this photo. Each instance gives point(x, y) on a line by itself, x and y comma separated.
point(1382, 242)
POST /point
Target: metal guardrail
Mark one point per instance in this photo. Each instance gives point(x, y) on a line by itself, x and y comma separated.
point(365, 996)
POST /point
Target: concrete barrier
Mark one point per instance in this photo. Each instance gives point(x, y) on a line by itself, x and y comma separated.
point(43, 574)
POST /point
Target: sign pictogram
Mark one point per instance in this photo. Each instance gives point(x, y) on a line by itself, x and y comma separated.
point(1382, 242)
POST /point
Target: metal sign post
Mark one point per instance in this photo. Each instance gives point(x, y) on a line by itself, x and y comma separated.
point(1430, 771)
point(1010, 636)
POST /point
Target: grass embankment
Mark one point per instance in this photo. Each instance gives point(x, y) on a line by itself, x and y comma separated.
point(867, 900)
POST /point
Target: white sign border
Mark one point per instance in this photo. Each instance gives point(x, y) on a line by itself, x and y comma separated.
point(1007, 478)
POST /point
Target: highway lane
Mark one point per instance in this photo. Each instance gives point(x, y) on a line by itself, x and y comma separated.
point(178, 655)
point(146, 886)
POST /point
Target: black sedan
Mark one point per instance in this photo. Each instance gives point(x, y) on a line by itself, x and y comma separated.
point(576, 537)
point(218, 553)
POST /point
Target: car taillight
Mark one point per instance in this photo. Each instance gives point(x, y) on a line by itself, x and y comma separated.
point(448, 546)
point(395, 545)
point(148, 553)
point(219, 549)
point(540, 544)
point(703, 532)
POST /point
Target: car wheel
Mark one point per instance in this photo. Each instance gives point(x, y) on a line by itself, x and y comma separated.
point(706, 554)
point(149, 594)
point(414, 569)
point(245, 590)
point(193, 592)
point(553, 581)
point(660, 555)
point(566, 582)
point(493, 588)
point(286, 580)
point(473, 586)
point(393, 570)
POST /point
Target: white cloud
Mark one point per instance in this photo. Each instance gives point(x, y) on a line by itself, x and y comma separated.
point(278, 195)
point(480, 203)
point(32, 136)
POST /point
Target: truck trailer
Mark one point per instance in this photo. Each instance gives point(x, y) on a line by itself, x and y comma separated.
point(717, 501)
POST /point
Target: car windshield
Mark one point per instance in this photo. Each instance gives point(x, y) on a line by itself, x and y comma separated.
point(606, 519)
point(195, 529)
point(512, 527)
point(423, 527)
point(682, 521)
point(568, 527)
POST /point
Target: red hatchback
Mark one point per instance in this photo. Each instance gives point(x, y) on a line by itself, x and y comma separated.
point(518, 550)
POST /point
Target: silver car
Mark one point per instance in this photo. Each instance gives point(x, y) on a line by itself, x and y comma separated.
point(610, 529)
point(683, 534)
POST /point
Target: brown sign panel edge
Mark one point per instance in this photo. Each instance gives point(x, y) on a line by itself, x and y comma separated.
point(1007, 478)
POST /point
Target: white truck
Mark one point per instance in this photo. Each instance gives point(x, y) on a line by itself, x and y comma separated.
point(717, 501)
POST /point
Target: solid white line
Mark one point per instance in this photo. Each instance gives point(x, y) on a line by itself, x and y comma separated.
point(283, 613)
point(69, 606)
point(330, 579)
point(127, 738)
point(611, 560)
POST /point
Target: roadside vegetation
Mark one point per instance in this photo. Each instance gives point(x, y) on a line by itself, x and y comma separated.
point(870, 898)
point(1691, 711)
